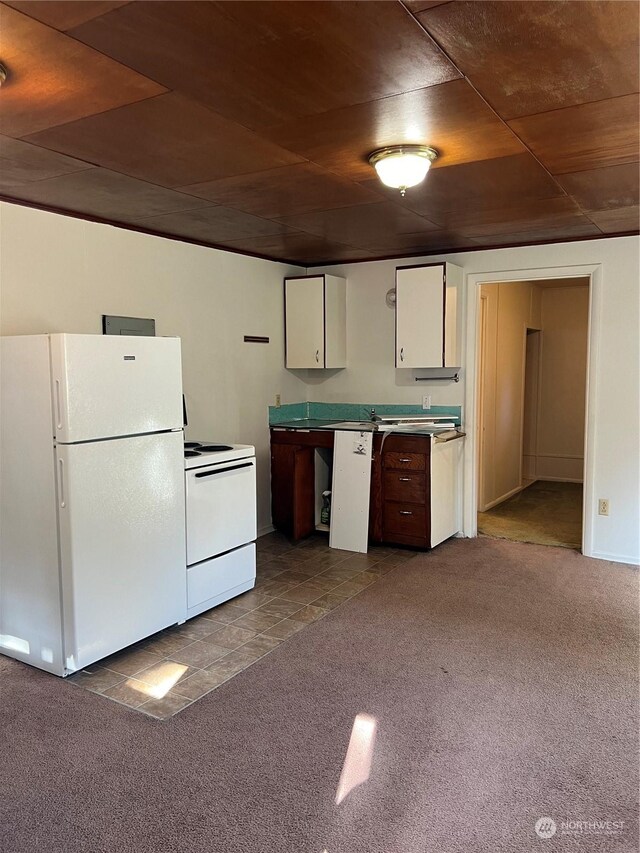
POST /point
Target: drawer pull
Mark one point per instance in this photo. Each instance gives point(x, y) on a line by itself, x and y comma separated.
point(404, 479)
point(405, 460)
point(405, 512)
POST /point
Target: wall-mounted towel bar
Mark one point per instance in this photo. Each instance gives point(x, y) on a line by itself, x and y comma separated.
point(454, 378)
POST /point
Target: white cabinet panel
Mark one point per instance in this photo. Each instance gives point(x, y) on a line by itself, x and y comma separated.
point(315, 316)
point(426, 316)
point(335, 316)
point(351, 487)
point(446, 470)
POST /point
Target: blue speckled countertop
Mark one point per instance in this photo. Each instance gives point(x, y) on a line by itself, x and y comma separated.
point(316, 423)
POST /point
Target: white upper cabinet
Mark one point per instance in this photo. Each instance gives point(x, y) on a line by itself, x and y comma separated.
point(426, 315)
point(315, 321)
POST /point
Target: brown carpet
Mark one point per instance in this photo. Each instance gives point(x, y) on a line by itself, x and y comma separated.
point(503, 680)
point(545, 513)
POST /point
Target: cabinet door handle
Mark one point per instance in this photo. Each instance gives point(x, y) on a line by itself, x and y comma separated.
point(405, 460)
point(405, 479)
point(405, 512)
point(401, 353)
point(317, 355)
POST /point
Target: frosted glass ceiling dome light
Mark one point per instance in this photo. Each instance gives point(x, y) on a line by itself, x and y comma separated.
point(403, 166)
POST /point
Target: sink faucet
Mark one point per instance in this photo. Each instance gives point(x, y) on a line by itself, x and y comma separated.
point(374, 418)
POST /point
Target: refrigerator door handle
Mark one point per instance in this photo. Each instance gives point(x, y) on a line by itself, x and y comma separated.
point(58, 407)
point(61, 481)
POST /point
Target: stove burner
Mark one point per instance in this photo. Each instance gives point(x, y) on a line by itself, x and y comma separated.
point(189, 453)
point(191, 444)
point(211, 448)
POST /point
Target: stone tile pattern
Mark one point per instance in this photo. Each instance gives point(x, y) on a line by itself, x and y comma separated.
point(296, 585)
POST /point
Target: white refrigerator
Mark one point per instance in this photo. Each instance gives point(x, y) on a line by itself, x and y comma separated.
point(92, 510)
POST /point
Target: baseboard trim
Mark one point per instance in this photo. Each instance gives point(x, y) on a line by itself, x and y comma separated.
point(560, 479)
point(616, 558)
point(263, 531)
point(502, 499)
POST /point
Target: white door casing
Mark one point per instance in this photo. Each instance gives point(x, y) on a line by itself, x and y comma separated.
point(594, 272)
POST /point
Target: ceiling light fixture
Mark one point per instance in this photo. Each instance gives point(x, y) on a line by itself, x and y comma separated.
point(402, 166)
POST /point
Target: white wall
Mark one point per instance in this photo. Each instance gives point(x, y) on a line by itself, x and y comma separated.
point(502, 378)
point(59, 274)
point(559, 448)
point(614, 381)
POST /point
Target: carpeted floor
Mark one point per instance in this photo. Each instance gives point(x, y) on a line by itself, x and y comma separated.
point(545, 513)
point(502, 679)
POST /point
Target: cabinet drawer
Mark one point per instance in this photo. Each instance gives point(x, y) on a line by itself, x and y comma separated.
point(405, 461)
point(405, 519)
point(405, 486)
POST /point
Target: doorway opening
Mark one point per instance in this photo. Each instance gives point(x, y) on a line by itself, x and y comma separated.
point(532, 380)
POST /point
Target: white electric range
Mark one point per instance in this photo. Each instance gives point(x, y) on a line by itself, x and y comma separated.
point(220, 483)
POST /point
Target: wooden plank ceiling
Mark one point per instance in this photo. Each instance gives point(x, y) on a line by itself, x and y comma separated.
point(248, 125)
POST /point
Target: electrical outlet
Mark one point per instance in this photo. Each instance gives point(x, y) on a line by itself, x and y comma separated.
point(603, 506)
point(426, 401)
point(277, 401)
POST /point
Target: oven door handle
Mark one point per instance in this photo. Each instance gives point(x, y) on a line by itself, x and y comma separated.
point(224, 470)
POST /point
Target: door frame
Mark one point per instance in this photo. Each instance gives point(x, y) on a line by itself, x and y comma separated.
point(472, 385)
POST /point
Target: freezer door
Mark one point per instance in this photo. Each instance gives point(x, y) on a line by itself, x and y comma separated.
point(110, 385)
point(122, 541)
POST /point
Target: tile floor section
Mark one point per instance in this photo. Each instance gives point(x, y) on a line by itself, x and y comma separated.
point(295, 586)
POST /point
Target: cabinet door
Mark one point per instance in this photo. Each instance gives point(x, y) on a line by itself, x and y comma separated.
point(283, 458)
point(304, 496)
point(420, 299)
point(293, 489)
point(304, 316)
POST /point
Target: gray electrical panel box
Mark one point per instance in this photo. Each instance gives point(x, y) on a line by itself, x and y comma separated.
point(127, 326)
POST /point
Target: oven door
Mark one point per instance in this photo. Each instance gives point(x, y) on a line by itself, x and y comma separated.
point(221, 508)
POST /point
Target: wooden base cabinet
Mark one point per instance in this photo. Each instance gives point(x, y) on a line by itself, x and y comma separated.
point(414, 497)
point(405, 512)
